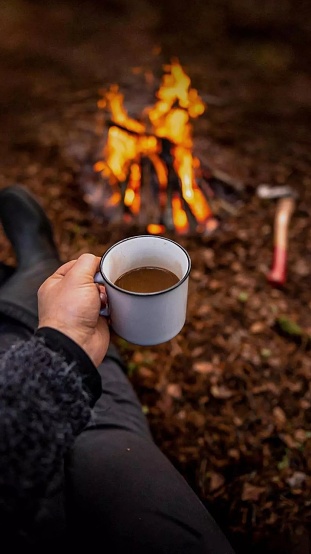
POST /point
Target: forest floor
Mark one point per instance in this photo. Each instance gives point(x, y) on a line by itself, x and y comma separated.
point(228, 399)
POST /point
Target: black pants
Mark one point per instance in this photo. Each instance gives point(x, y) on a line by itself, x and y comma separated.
point(122, 494)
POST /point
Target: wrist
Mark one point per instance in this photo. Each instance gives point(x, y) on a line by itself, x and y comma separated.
point(59, 342)
point(67, 330)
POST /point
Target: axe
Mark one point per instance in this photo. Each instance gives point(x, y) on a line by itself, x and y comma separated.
point(286, 197)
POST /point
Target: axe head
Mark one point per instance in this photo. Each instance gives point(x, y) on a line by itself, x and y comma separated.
point(268, 192)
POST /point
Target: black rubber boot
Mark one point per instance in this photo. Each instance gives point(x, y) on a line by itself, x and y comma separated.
point(30, 232)
point(26, 226)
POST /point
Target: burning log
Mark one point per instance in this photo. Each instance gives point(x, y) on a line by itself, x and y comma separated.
point(149, 195)
point(149, 164)
point(110, 123)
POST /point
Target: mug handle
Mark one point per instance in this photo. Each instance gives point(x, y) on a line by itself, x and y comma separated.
point(103, 311)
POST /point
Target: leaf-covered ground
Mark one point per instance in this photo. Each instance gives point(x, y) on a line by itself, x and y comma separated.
point(229, 399)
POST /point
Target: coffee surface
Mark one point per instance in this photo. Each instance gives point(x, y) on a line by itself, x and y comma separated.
point(147, 279)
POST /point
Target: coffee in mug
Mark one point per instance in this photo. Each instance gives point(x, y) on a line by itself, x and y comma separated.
point(147, 279)
point(146, 317)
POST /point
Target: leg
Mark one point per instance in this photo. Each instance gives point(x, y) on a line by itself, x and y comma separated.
point(118, 407)
point(123, 491)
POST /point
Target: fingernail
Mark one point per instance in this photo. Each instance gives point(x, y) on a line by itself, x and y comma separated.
point(103, 297)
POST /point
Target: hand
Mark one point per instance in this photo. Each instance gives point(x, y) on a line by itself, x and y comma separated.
point(69, 301)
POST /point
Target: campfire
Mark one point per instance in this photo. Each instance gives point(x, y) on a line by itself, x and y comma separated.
point(148, 172)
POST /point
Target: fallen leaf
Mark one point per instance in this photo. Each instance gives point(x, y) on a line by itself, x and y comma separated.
point(272, 518)
point(216, 481)
point(257, 327)
point(204, 367)
point(289, 326)
point(204, 310)
point(267, 387)
point(304, 404)
point(265, 352)
point(302, 268)
point(214, 284)
point(221, 392)
point(196, 275)
point(243, 297)
point(283, 464)
point(294, 387)
point(208, 256)
point(199, 325)
point(146, 372)
point(289, 440)
point(251, 492)
point(174, 390)
point(181, 415)
point(196, 352)
point(138, 357)
point(234, 453)
point(175, 348)
point(296, 480)
point(301, 435)
point(196, 418)
point(279, 417)
point(165, 403)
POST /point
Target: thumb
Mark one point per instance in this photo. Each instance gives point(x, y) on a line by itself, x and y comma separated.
point(85, 268)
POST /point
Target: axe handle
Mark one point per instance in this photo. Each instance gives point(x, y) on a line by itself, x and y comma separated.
point(284, 211)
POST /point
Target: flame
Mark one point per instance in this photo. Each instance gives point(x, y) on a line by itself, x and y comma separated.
point(113, 101)
point(155, 229)
point(129, 140)
point(114, 199)
point(173, 122)
point(132, 197)
point(179, 216)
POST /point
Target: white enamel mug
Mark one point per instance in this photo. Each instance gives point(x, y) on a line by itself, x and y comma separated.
point(145, 318)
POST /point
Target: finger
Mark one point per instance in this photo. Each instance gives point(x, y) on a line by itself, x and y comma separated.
point(101, 288)
point(63, 269)
point(85, 267)
point(103, 299)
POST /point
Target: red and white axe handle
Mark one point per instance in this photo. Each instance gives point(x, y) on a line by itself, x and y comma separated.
point(284, 211)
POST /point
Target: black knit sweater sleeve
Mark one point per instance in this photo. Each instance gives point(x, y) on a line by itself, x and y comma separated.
point(72, 352)
point(46, 394)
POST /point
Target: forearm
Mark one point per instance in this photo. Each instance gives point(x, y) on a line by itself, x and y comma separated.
point(73, 354)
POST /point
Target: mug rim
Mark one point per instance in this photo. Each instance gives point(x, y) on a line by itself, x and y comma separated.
point(132, 293)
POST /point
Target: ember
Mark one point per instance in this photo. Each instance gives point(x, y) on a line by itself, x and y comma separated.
point(152, 175)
